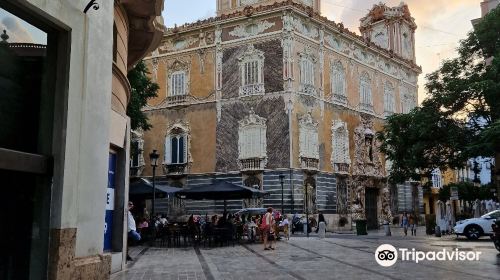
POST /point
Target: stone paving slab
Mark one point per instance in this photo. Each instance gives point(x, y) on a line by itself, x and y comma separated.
point(335, 257)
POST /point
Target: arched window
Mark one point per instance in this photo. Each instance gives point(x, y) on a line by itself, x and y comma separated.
point(338, 83)
point(365, 93)
point(176, 146)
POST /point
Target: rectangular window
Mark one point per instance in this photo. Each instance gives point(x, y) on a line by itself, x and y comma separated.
point(177, 149)
point(307, 72)
point(251, 73)
point(178, 83)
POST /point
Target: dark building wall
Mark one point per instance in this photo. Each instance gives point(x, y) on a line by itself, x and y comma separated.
point(273, 68)
point(325, 192)
point(271, 108)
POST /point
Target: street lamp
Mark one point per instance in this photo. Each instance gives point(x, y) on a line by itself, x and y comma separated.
point(282, 178)
point(153, 157)
point(476, 169)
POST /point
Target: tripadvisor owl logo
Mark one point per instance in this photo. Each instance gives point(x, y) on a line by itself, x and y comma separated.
point(386, 255)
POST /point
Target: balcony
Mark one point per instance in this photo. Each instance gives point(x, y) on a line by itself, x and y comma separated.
point(340, 99)
point(367, 108)
point(177, 100)
point(309, 164)
point(308, 89)
point(341, 168)
point(254, 89)
point(252, 164)
point(388, 114)
point(175, 169)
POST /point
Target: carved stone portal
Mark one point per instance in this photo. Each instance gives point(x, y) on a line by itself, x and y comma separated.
point(368, 172)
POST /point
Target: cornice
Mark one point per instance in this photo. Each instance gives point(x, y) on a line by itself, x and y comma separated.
point(300, 9)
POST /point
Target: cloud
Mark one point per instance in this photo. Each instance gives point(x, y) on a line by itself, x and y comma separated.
point(441, 24)
point(16, 31)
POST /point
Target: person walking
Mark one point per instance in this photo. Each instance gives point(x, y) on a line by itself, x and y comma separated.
point(131, 227)
point(266, 226)
point(413, 225)
point(404, 223)
point(321, 218)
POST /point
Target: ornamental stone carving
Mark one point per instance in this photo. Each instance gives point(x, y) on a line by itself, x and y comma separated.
point(366, 151)
point(248, 2)
point(251, 29)
point(305, 28)
point(334, 42)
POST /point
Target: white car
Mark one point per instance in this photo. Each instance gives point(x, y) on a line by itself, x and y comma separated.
point(476, 227)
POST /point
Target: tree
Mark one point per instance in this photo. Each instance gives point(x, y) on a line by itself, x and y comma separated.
point(460, 117)
point(142, 90)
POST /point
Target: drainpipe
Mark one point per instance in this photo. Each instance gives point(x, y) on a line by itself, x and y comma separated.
point(289, 108)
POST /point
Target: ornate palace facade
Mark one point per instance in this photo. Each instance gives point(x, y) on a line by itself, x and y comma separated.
point(273, 88)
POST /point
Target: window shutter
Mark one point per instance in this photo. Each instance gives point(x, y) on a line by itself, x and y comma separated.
point(182, 149)
point(168, 150)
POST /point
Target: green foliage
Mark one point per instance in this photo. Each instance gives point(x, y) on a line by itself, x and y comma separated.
point(467, 192)
point(142, 90)
point(461, 117)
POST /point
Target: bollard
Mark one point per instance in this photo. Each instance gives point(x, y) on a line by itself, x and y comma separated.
point(387, 228)
point(437, 231)
point(304, 227)
point(322, 230)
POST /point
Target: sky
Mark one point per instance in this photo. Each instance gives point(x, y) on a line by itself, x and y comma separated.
point(441, 23)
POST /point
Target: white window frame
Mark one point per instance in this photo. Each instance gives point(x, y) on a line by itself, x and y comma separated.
point(437, 178)
point(307, 64)
point(308, 137)
point(365, 93)
point(178, 83)
point(251, 65)
point(389, 100)
point(168, 148)
point(252, 138)
point(338, 83)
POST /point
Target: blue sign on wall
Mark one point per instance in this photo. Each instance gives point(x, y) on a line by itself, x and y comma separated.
point(110, 203)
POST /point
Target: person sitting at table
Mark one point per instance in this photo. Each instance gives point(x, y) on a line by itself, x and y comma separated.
point(214, 220)
point(142, 225)
point(163, 220)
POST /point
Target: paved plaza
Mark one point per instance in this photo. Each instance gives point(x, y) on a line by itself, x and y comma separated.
point(338, 256)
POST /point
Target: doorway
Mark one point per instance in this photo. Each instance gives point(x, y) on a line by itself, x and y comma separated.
point(371, 195)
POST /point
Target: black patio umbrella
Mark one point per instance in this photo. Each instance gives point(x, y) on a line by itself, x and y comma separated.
point(220, 190)
point(140, 187)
